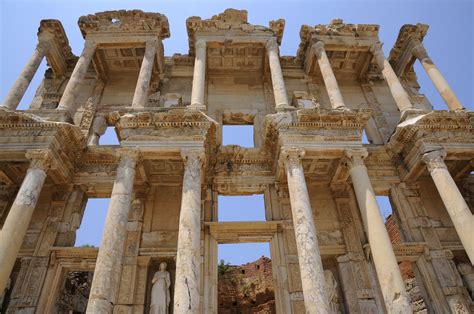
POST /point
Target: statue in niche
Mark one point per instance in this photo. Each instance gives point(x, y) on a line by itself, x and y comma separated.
point(331, 291)
point(160, 291)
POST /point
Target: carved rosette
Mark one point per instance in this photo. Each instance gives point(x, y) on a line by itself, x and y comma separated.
point(434, 160)
point(40, 159)
point(355, 157)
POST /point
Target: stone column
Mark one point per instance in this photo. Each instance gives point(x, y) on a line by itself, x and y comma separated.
point(19, 216)
point(141, 91)
point(436, 77)
point(278, 82)
point(16, 93)
point(108, 266)
point(199, 76)
point(77, 76)
point(334, 93)
point(188, 260)
point(453, 200)
point(392, 285)
point(398, 92)
point(309, 257)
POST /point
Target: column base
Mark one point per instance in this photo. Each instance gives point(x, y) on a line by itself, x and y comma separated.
point(284, 108)
point(197, 107)
point(99, 306)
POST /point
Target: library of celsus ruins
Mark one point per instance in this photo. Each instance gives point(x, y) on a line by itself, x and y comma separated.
point(320, 179)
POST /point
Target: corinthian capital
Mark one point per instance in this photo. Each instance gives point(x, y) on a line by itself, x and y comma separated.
point(434, 159)
point(43, 46)
point(377, 52)
point(355, 157)
point(200, 43)
point(318, 48)
point(419, 50)
point(129, 157)
point(193, 157)
point(40, 159)
point(292, 155)
point(272, 45)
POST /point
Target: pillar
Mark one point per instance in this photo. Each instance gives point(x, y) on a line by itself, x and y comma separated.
point(436, 77)
point(458, 211)
point(77, 76)
point(390, 279)
point(141, 91)
point(279, 89)
point(309, 257)
point(108, 266)
point(16, 93)
point(398, 92)
point(188, 260)
point(19, 216)
point(199, 77)
point(334, 93)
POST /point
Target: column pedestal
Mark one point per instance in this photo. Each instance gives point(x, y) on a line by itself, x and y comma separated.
point(109, 260)
point(391, 282)
point(77, 76)
point(19, 216)
point(188, 260)
point(453, 200)
point(309, 257)
point(437, 78)
point(334, 93)
point(278, 82)
point(141, 91)
point(16, 93)
point(398, 92)
point(199, 77)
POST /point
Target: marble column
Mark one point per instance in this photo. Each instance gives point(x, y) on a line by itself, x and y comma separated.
point(141, 91)
point(19, 216)
point(398, 92)
point(77, 76)
point(199, 76)
point(390, 279)
point(109, 259)
point(188, 259)
point(334, 93)
point(436, 77)
point(309, 257)
point(16, 93)
point(458, 210)
point(278, 82)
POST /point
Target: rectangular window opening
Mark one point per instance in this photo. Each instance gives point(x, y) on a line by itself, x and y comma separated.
point(245, 278)
point(109, 137)
point(241, 208)
point(241, 135)
point(90, 231)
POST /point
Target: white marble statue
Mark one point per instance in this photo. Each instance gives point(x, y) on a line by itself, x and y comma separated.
point(160, 292)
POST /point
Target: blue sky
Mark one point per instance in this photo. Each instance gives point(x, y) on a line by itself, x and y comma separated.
point(449, 42)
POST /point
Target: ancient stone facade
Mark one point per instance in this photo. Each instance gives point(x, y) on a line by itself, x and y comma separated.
point(329, 246)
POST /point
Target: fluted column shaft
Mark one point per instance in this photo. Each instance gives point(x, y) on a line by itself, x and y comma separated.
point(457, 208)
point(141, 91)
point(188, 259)
point(398, 92)
point(199, 77)
point(16, 93)
point(77, 77)
point(309, 256)
point(278, 82)
point(109, 259)
point(334, 93)
point(436, 77)
point(391, 282)
point(19, 216)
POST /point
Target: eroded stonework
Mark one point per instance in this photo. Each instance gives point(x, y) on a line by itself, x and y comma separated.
point(329, 245)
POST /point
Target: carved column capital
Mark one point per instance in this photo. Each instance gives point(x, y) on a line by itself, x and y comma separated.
point(434, 159)
point(200, 44)
point(152, 43)
point(129, 157)
point(418, 50)
point(43, 46)
point(193, 157)
point(355, 157)
point(272, 45)
point(90, 44)
point(292, 155)
point(377, 52)
point(319, 48)
point(40, 159)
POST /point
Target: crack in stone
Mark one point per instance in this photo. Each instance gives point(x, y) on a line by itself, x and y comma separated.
point(189, 292)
